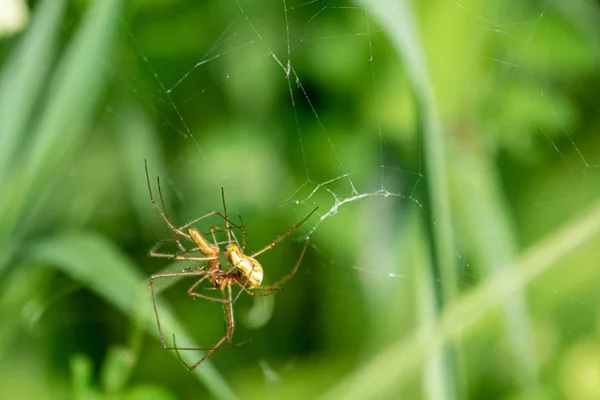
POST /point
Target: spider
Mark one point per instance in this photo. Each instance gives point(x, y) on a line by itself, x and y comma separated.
point(243, 270)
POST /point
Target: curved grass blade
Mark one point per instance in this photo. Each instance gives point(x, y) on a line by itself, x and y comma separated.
point(23, 78)
point(407, 354)
point(398, 21)
point(100, 266)
point(73, 92)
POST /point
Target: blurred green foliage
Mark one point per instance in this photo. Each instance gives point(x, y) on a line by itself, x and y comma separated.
point(452, 149)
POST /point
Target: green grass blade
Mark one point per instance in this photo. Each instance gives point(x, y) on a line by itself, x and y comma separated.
point(398, 22)
point(82, 372)
point(97, 264)
point(23, 78)
point(484, 218)
point(72, 96)
point(137, 142)
point(117, 369)
point(74, 92)
point(407, 354)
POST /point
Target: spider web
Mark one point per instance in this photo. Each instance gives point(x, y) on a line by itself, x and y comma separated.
point(381, 178)
point(365, 172)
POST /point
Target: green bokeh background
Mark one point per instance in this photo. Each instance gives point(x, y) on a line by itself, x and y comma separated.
point(469, 269)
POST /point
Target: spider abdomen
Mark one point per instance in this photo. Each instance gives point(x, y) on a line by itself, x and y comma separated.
point(250, 269)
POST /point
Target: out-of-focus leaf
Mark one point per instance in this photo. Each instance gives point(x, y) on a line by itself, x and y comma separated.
point(407, 354)
point(23, 78)
point(398, 21)
point(137, 142)
point(117, 369)
point(99, 265)
point(82, 378)
point(72, 95)
point(148, 392)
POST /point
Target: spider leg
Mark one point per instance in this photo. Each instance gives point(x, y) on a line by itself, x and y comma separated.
point(214, 266)
point(277, 285)
point(191, 292)
point(182, 255)
point(153, 251)
point(244, 288)
point(164, 207)
point(244, 233)
point(159, 276)
point(228, 309)
point(189, 258)
point(206, 355)
point(227, 222)
point(203, 296)
point(179, 256)
point(280, 238)
point(229, 346)
point(210, 214)
point(225, 212)
point(268, 293)
point(164, 215)
point(215, 228)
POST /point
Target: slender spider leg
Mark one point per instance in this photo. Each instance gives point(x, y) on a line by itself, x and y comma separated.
point(225, 212)
point(226, 337)
point(229, 346)
point(277, 285)
point(164, 207)
point(191, 292)
point(270, 292)
point(202, 246)
point(228, 309)
point(244, 235)
point(228, 313)
point(246, 289)
point(179, 256)
point(227, 222)
point(179, 245)
point(170, 275)
point(153, 253)
point(165, 217)
point(229, 231)
point(162, 214)
point(250, 270)
point(280, 238)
